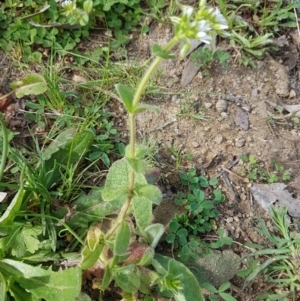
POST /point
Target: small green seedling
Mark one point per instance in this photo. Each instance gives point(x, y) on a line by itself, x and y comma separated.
point(199, 216)
point(220, 293)
point(256, 172)
point(204, 57)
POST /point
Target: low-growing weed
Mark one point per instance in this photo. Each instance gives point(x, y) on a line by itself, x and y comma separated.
point(220, 293)
point(253, 38)
point(199, 217)
point(28, 25)
point(204, 57)
point(255, 170)
point(280, 259)
point(189, 111)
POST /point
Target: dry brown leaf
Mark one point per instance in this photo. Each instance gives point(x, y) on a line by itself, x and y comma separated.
point(4, 103)
point(189, 72)
point(193, 45)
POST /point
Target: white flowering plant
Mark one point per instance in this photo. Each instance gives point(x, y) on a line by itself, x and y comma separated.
point(114, 254)
point(75, 14)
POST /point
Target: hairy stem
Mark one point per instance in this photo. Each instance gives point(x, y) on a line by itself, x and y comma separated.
point(5, 146)
point(141, 87)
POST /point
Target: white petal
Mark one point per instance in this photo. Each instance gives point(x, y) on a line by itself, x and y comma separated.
point(187, 10)
point(175, 20)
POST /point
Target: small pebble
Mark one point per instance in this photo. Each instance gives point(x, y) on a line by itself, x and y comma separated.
point(199, 75)
point(239, 143)
point(157, 157)
point(292, 94)
point(237, 232)
point(221, 105)
point(195, 144)
point(229, 212)
point(219, 139)
point(254, 92)
point(229, 219)
point(207, 105)
point(236, 219)
point(224, 114)
point(178, 132)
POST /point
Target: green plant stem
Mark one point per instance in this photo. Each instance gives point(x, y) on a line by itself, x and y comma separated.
point(5, 146)
point(171, 44)
point(141, 87)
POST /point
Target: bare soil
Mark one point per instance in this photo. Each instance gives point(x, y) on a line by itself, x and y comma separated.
point(238, 103)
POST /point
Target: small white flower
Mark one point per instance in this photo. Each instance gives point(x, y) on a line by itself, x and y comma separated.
point(198, 24)
point(69, 4)
point(187, 10)
point(204, 37)
point(203, 26)
point(221, 22)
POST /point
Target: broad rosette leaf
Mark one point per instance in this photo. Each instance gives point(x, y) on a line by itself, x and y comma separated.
point(32, 84)
point(41, 283)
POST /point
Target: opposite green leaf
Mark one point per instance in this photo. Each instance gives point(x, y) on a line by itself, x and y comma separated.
point(141, 108)
point(160, 52)
point(127, 278)
point(106, 280)
point(126, 96)
point(153, 234)
point(142, 210)
point(139, 166)
point(117, 181)
point(89, 258)
point(91, 208)
point(149, 191)
point(122, 239)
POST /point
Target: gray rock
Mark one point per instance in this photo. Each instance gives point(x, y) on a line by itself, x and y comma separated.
point(215, 268)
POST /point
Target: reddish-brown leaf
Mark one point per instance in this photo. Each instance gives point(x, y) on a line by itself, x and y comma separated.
point(4, 103)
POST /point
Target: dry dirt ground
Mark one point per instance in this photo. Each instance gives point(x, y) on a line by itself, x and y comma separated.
point(238, 103)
